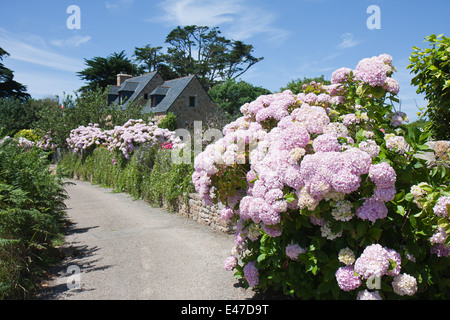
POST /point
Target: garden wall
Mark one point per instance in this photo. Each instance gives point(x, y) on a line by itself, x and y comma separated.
point(194, 208)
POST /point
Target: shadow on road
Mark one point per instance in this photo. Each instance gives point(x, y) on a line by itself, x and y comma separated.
point(59, 278)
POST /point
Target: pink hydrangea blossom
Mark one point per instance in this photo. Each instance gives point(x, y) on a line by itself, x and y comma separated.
point(251, 274)
point(372, 210)
point(383, 175)
point(373, 262)
point(371, 71)
point(340, 75)
point(346, 278)
point(231, 263)
point(293, 250)
point(440, 208)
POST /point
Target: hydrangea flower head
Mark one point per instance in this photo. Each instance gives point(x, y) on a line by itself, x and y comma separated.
point(373, 262)
point(404, 284)
point(340, 75)
point(346, 278)
point(231, 263)
point(440, 209)
point(293, 250)
point(251, 274)
point(383, 175)
point(372, 210)
point(371, 71)
point(369, 295)
point(346, 256)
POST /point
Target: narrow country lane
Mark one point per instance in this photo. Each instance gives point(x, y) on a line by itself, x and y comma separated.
point(125, 249)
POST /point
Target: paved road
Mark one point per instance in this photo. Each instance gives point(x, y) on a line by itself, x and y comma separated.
point(124, 249)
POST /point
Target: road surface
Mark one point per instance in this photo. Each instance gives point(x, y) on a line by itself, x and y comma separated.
point(124, 249)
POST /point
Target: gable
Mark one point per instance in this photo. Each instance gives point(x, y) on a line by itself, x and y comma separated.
point(170, 90)
point(132, 88)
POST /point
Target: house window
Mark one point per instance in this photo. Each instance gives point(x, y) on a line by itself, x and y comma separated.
point(146, 96)
point(192, 101)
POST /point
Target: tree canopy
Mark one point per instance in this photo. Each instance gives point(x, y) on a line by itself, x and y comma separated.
point(102, 72)
point(431, 68)
point(9, 88)
point(203, 51)
point(198, 50)
point(296, 86)
point(232, 94)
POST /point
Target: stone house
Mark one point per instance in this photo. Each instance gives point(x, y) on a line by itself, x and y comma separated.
point(185, 97)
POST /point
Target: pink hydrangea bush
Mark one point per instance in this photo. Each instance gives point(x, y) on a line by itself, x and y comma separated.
point(306, 176)
point(20, 142)
point(124, 139)
point(135, 133)
point(86, 138)
point(46, 143)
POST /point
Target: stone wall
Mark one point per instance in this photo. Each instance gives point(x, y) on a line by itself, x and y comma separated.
point(194, 208)
point(438, 154)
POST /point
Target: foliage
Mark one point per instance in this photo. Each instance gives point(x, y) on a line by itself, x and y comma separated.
point(297, 85)
point(31, 218)
point(125, 139)
point(203, 51)
point(28, 134)
point(55, 121)
point(149, 174)
point(102, 72)
point(327, 195)
point(15, 114)
point(431, 68)
point(169, 122)
point(148, 58)
point(231, 95)
point(9, 88)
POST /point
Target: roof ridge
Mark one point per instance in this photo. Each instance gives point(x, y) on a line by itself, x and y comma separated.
point(192, 75)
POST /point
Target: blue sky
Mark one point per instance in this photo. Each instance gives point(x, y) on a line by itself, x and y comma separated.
point(297, 38)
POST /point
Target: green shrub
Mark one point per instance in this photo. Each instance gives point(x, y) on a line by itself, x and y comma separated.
point(169, 122)
point(31, 218)
point(149, 174)
point(432, 77)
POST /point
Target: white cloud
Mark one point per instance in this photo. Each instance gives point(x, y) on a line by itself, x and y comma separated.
point(348, 41)
point(244, 20)
point(74, 41)
point(22, 51)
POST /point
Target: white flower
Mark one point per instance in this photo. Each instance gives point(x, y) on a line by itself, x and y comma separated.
point(346, 256)
point(404, 284)
point(369, 295)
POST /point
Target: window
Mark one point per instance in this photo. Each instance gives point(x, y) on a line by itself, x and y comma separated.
point(192, 101)
point(146, 96)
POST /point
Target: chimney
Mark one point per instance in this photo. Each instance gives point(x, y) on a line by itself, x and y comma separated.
point(121, 77)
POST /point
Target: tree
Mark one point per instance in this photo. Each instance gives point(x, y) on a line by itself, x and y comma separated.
point(432, 77)
point(102, 72)
point(296, 86)
point(231, 95)
point(9, 88)
point(148, 58)
point(15, 114)
point(203, 51)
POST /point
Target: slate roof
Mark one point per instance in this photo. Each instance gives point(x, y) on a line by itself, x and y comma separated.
point(135, 85)
point(172, 89)
point(129, 86)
